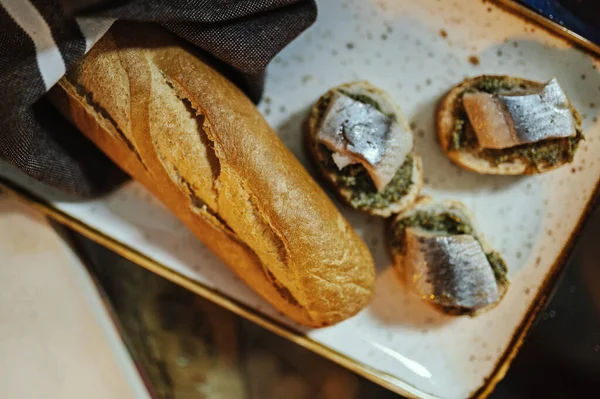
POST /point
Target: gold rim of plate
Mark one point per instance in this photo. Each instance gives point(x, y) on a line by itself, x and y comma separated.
point(524, 11)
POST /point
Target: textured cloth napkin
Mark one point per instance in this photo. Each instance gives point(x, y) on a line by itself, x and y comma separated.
point(40, 39)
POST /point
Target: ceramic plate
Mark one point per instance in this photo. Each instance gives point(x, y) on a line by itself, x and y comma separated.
point(416, 51)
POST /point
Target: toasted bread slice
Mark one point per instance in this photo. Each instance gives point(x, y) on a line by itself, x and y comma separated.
point(521, 160)
point(457, 213)
point(404, 188)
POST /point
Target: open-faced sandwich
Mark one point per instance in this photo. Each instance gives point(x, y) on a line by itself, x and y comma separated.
point(444, 259)
point(508, 125)
point(362, 144)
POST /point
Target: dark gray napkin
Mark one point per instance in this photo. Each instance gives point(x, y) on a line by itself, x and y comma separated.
point(243, 34)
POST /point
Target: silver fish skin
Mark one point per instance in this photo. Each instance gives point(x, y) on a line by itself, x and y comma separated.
point(451, 271)
point(358, 133)
point(506, 120)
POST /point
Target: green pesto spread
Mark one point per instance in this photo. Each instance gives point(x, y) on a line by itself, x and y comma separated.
point(355, 178)
point(498, 267)
point(542, 153)
point(445, 223)
point(363, 193)
point(363, 98)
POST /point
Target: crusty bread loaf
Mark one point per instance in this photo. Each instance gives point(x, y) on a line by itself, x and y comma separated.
point(345, 193)
point(447, 114)
point(199, 144)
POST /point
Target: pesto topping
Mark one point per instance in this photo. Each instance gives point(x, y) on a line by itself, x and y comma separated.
point(445, 223)
point(363, 98)
point(498, 266)
point(363, 194)
point(456, 310)
point(492, 84)
point(542, 153)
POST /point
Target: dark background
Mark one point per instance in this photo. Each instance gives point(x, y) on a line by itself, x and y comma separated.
point(580, 16)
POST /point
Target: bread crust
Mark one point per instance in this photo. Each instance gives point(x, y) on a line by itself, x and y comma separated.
point(346, 194)
point(446, 115)
point(199, 144)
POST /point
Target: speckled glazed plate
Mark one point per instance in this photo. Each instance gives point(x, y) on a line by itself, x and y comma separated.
point(416, 51)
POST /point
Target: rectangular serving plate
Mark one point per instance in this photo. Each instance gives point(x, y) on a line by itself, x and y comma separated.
point(416, 51)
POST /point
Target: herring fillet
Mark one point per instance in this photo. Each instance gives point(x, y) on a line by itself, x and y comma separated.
point(506, 120)
point(451, 271)
point(359, 133)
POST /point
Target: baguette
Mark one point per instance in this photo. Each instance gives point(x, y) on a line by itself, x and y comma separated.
point(198, 144)
point(525, 159)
